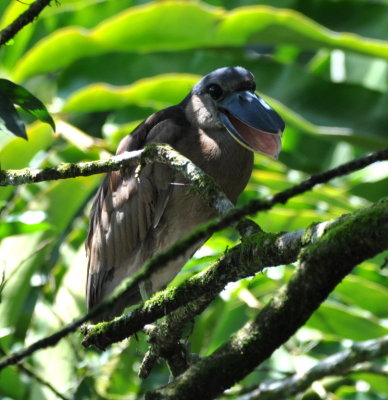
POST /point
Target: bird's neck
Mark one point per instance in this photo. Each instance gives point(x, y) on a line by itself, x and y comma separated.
point(201, 115)
point(229, 163)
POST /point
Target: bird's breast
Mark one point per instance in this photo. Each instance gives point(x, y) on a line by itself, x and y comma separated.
point(225, 160)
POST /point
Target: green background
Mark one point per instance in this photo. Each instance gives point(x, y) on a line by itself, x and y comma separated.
point(103, 66)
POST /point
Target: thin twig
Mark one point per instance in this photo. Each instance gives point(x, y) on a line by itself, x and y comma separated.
point(338, 364)
point(22, 20)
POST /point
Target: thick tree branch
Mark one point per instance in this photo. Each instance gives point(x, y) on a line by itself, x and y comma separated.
point(165, 338)
point(288, 241)
point(246, 259)
point(323, 265)
point(254, 254)
point(338, 364)
point(22, 20)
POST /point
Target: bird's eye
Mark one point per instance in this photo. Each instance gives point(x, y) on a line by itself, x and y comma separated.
point(215, 91)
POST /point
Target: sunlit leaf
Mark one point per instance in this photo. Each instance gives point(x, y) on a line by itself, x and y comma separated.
point(159, 92)
point(17, 228)
point(167, 26)
point(10, 121)
point(340, 321)
point(367, 295)
point(26, 100)
point(18, 153)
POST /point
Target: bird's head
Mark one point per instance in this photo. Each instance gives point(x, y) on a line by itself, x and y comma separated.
point(226, 98)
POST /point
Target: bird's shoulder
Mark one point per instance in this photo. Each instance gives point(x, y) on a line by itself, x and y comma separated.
point(162, 126)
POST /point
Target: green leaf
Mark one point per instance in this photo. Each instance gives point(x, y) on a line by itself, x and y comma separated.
point(22, 97)
point(165, 26)
point(10, 121)
point(343, 322)
point(367, 295)
point(56, 51)
point(21, 256)
point(372, 191)
point(158, 92)
point(18, 228)
point(18, 153)
point(11, 385)
point(232, 316)
point(272, 25)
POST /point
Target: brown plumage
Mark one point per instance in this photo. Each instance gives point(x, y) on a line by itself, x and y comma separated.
point(134, 218)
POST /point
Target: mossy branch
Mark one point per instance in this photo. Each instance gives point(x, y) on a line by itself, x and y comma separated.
point(323, 264)
point(202, 183)
point(256, 252)
point(164, 338)
point(233, 216)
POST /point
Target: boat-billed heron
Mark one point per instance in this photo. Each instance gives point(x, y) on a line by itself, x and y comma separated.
point(218, 126)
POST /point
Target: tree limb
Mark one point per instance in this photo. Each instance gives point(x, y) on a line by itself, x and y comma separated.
point(165, 338)
point(202, 183)
point(22, 20)
point(323, 265)
point(338, 364)
point(246, 259)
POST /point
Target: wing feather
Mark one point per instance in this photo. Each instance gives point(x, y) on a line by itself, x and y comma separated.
point(125, 211)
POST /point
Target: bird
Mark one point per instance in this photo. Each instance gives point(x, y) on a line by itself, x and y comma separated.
point(218, 126)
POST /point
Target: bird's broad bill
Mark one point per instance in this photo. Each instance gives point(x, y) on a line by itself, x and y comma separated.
point(245, 115)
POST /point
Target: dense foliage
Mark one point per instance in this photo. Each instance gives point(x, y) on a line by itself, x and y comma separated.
point(101, 67)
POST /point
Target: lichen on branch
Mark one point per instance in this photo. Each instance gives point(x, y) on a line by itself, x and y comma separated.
point(353, 239)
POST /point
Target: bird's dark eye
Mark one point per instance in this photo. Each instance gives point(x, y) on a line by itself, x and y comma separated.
point(215, 91)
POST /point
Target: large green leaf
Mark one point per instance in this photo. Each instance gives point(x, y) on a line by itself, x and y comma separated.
point(335, 319)
point(158, 92)
point(22, 97)
point(16, 153)
point(18, 227)
point(56, 51)
point(367, 295)
point(10, 122)
point(182, 25)
point(21, 257)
